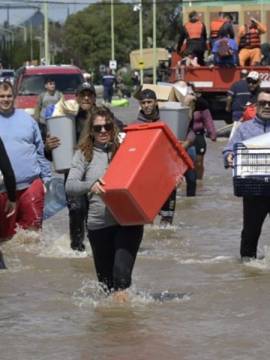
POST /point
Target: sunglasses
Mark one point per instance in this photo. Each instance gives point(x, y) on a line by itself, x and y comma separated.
point(106, 127)
point(251, 81)
point(263, 103)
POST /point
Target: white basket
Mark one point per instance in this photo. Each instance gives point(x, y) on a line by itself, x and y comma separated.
point(251, 162)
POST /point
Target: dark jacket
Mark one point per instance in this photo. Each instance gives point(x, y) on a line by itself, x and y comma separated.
point(7, 173)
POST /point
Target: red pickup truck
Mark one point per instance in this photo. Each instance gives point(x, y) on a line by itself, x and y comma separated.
point(214, 82)
point(29, 83)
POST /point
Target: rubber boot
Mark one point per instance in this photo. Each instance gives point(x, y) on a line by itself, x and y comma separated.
point(78, 207)
point(76, 230)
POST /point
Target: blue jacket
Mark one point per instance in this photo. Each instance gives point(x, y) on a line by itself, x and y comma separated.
point(21, 136)
point(108, 81)
point(246, 130)
point(232, 60)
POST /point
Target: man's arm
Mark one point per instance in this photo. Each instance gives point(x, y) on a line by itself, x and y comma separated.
point(38, 107)
point(228, 107)
point(228, 150)
point(262, 28)
point(8, 173)
point(204, 33)
point(44, 164)
point(241, 33)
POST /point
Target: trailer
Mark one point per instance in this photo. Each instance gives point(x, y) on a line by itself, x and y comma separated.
point(214, 82)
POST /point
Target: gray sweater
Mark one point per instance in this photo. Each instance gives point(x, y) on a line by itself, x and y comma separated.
point(82, 176)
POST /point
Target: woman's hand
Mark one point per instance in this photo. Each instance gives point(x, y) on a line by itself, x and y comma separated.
point(179, 181)
point(10, 208)
point(98, 187)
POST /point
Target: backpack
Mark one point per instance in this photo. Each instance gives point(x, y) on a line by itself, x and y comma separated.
point(224, 49)
point(249, 112)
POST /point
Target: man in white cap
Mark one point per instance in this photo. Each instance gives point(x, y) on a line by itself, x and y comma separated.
point(242, 92)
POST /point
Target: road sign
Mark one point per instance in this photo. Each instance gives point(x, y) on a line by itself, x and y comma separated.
point(102, 68)
point(141, 64)
point(113, 64)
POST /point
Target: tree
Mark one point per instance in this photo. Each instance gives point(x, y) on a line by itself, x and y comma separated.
point(87, 34)
point(168, 20)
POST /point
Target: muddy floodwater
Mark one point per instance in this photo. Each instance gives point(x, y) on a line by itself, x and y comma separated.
point(191, 297)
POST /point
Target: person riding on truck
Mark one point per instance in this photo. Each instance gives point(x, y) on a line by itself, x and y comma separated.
point(250, 43)
point(222, 23)
point(194, 35)
point(225, 51)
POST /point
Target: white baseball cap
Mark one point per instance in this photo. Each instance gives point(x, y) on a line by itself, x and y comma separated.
point(254, 75)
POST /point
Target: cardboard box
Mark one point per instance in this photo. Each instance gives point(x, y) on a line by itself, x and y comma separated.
point(167, 92)
point(163, 92)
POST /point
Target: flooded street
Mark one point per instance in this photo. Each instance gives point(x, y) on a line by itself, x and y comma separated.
point(191, 297)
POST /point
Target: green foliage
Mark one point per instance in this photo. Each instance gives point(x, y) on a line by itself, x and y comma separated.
point(85, 38)
point(87, 34)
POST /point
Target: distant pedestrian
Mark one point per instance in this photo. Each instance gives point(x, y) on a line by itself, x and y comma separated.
point(108, 81)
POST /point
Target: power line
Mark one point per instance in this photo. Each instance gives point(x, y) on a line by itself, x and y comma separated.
point(95, 2)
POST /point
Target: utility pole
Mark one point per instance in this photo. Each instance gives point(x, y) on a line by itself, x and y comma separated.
point(46, 34)
point(141, 41)
point(8, 19)
point(112, 31)
point(31, 42)
point(154, 42)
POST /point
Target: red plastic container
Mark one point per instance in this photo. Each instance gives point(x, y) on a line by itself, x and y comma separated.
point(144, 172)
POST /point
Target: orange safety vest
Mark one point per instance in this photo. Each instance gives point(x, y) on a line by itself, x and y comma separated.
point(194, 29)
point(215, 26)
point(251, 39)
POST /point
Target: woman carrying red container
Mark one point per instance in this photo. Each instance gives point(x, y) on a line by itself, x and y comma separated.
point(114, 246)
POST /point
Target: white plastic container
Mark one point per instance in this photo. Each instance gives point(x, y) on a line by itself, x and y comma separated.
point(55, 197)
point(175, 115)
point(64, 128)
